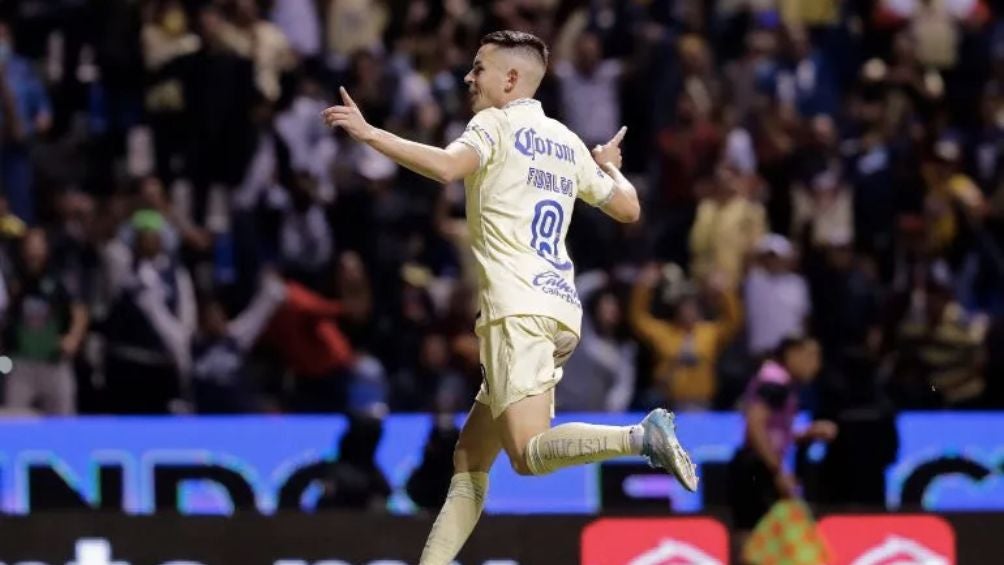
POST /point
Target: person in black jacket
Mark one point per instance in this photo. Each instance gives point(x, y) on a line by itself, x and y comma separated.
point(354, 480)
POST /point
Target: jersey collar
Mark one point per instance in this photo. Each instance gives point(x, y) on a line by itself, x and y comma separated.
point(522, 102)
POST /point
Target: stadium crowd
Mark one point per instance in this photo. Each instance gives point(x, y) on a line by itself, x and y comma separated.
point(181, 233)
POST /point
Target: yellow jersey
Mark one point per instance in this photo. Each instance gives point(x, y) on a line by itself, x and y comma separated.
point(519, 207)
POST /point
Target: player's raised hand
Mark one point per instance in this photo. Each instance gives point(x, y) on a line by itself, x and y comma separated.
point(610, 152)
point(348, 117)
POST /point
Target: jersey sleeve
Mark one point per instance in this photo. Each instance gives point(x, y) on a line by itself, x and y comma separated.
point(595, 186)
point(484, 135)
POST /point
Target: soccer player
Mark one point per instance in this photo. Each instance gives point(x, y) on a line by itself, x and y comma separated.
point(522, 172)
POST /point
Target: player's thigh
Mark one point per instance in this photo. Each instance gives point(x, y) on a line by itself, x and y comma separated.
point(479, 442)
point(524, 419)
point(517, 360)
point(522, 355)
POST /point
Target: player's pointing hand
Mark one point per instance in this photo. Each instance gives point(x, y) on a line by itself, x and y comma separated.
point(610, 152)
point(348, 117)
point(618, 137)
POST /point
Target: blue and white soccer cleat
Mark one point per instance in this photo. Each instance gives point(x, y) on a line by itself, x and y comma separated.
point(663, 450)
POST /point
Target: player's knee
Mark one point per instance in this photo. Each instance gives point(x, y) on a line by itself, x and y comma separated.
point(520, 467)
point(517, 458)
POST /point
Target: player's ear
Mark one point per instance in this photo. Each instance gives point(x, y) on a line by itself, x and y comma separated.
point(512, 77)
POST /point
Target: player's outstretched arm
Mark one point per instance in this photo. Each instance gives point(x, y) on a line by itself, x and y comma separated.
point(441, 165)
point(623, 205)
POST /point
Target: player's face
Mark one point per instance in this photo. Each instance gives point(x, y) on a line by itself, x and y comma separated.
point(487, 80)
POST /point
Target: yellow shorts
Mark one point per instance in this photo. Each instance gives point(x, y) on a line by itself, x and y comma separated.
point(521, 356)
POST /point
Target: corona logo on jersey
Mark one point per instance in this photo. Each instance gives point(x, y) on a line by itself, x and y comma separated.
point(655, 541)
point(890, 540)
point(531, 145)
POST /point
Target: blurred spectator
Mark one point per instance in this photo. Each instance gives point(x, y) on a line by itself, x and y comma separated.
point(729, 223)
point(939, 357)
point(688, 151)
point(932, 27)
point(300, 24)
point(246, 34)
point(600, 374)
point(847, 300)
point(433, 384)
point(220, 94)
point(305, 242)
point(854, 467)
point(699, 81)
point(953, 201)
point(74, 255)
point(175, 231)
point(775, 129)
point(150, 323)
point(46, 330)
point(806, 82)
point(757, 477)
point(219, 382)
point(776, 296)
point(751, 75)
point(824, 211)
point(355, 25)
point(871, 165)
point(685, 347)
point(311, 148)
point(168, 41)
point(309, 341)
point(353, 480)
point(590, 100)
point(353, 286)
point(25, 115)
point(429, 483)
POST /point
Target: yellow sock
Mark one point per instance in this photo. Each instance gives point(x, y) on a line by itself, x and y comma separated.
point(456, 520)
point(578, 444)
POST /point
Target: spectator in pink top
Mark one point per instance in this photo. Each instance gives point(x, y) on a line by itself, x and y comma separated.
point(757, 477)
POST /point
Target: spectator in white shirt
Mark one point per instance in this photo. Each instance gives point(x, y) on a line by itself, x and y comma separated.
point(777, 298)
point(301, 24)
point(589, 91)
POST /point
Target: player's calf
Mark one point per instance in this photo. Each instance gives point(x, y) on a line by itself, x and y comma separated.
point(578, 444)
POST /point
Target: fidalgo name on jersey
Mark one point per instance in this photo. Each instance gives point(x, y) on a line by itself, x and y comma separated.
point(549, 182)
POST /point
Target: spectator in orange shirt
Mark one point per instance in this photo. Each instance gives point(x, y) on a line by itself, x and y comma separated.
point(685, 347)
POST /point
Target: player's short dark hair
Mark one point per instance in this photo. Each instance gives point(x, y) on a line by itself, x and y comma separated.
point(527, 42)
